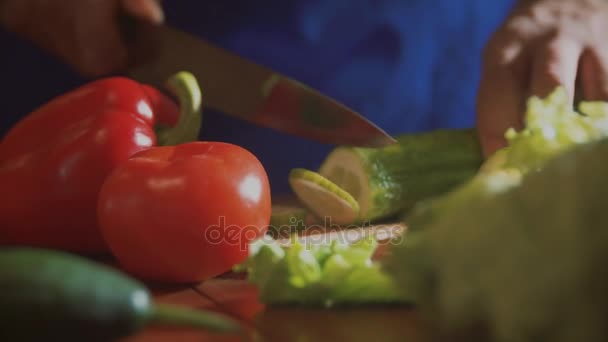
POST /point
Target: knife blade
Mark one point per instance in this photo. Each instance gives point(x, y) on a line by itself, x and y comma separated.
point(241, 88)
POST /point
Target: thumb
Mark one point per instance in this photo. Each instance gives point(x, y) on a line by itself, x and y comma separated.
point(149, 10)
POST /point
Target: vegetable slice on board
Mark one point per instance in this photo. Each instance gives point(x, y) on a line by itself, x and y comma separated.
point(327, 200)
point(338, 273)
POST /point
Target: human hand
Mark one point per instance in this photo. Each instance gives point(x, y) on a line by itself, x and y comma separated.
point(543, 44)
point(83, 33)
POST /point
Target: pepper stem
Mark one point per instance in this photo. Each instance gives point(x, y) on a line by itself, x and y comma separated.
point(169, 315)
point(185, 87)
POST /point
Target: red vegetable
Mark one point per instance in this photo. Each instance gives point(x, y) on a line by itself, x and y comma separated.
point(184, 213)
point(54, 161)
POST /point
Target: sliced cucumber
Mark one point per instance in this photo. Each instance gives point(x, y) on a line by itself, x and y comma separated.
point(325, 199)
point(392, 179)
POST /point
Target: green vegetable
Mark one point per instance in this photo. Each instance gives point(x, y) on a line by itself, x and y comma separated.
point(390, 180)
point(324, 198)
point(527, 264)
point(519, 251)
point(336, 273)
point(551, 128)
point(55, 296)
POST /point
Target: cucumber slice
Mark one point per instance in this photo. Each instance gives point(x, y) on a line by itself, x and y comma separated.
point(347, 167)
point(325, 199)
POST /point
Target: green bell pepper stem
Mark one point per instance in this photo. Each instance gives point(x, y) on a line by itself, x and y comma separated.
point(185, 87)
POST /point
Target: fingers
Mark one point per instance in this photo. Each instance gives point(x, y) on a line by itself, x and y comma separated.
point(555, 64)
point(501, 95)
point(594, 75)
point(106, 56)
point(561, 44)
point(499, 107)
point(505, 86)
point(149, 10)
point(97, 43)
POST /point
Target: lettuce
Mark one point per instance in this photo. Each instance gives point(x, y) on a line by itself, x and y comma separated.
point(552, 126)
point(518, 251)
point(319, 274)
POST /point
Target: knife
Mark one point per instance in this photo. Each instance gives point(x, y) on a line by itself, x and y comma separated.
point(244, 89)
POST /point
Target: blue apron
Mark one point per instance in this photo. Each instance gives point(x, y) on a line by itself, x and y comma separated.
point(406, 65)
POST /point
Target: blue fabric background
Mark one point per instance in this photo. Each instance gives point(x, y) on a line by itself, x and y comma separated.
point(408, 65)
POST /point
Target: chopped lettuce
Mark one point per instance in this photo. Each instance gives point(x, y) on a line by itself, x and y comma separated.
point(551, 128)
point(526, 264)
point(319, 274)
point(516, 251)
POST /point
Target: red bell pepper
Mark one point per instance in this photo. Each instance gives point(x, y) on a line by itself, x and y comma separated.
point(54, 161)
point(184, 213)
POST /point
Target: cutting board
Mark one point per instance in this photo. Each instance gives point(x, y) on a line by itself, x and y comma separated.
point(232, 295)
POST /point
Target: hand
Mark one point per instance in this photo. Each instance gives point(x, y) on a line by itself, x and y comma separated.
point(542, 45)
point(83, 33)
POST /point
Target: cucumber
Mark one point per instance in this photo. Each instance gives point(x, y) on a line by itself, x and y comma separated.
point(389, 180)
point(49, 295)
point(324, 198)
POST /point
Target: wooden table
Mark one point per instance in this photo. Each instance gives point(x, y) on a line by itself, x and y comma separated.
point(232, 295)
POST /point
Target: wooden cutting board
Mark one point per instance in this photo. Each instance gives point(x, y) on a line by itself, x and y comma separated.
point(232, 295)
